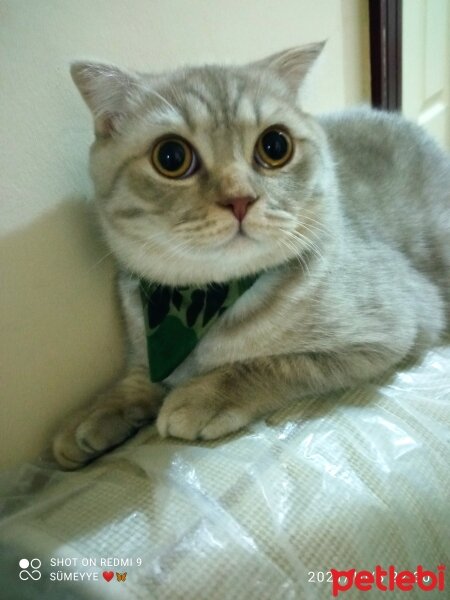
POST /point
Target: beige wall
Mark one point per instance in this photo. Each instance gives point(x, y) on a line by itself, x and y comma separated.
point(59, 327)
point(426, 66)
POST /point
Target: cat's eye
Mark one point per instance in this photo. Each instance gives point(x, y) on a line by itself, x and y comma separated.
point(274, 148)
point(175, 158)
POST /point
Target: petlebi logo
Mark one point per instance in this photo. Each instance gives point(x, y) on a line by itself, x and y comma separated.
point(30, 569)
point(388, 580)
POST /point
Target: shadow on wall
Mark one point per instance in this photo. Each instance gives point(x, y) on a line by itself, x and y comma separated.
point(59, 325)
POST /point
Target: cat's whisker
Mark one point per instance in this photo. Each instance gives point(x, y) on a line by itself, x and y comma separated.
point(318, 232)
point(168, 252)
point(303, 261)
point(319, 235)
point(304, 237)
point(101, 260)
point(305, 242)
point(296, 255)
point(322, 226)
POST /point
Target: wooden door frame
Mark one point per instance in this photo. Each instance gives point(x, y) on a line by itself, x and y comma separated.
point(385, 22)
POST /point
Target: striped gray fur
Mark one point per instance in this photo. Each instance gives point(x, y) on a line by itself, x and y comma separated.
point(351, 237)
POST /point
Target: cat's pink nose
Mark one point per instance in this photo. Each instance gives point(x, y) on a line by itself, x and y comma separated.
point(239, 205)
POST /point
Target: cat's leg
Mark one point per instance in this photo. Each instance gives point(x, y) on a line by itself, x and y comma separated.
point(115, 415)
point(123, 408)
point(393, 322)
point(230, 397)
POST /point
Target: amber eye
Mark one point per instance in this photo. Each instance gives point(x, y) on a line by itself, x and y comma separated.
point(274, 148)
point(174, 158)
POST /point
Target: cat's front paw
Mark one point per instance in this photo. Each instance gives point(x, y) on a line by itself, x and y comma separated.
point(89, 436)
point(196, 411)
point(116, 416)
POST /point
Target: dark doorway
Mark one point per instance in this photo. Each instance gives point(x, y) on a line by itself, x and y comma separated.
point(385, 18)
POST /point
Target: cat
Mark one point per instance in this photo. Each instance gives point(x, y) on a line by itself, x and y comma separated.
point(207, 175)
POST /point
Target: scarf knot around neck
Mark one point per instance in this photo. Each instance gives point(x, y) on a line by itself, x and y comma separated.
point(176, 318)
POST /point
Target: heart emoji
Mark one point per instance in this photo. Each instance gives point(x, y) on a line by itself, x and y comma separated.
point(108, 575)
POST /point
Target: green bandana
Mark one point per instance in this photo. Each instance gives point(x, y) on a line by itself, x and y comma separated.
point(176, 319)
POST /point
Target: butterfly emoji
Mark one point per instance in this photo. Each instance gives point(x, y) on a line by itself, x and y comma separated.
point(121, 576)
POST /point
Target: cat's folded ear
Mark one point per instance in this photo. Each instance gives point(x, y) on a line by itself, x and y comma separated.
point(292, 65)
point(109, 92)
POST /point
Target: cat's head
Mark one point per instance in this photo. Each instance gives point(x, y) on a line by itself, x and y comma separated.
point(207, 173)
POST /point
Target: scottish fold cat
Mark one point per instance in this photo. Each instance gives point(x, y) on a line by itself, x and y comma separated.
point(208, 177)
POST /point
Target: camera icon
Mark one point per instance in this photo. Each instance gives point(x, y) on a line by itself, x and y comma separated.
point(34, 565)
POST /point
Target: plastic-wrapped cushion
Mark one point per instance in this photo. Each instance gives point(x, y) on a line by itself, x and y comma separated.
point(353, 480)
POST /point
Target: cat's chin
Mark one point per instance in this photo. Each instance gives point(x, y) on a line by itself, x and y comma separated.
point(239, 254)
point(242, 247)
point(239, 239)
point(239, 257)
point(242, 237)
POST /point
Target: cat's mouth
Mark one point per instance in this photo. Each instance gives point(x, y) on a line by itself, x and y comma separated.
point(241, 232)
point(239, 239)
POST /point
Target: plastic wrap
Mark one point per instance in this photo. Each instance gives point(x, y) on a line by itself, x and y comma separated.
point(353, 480)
